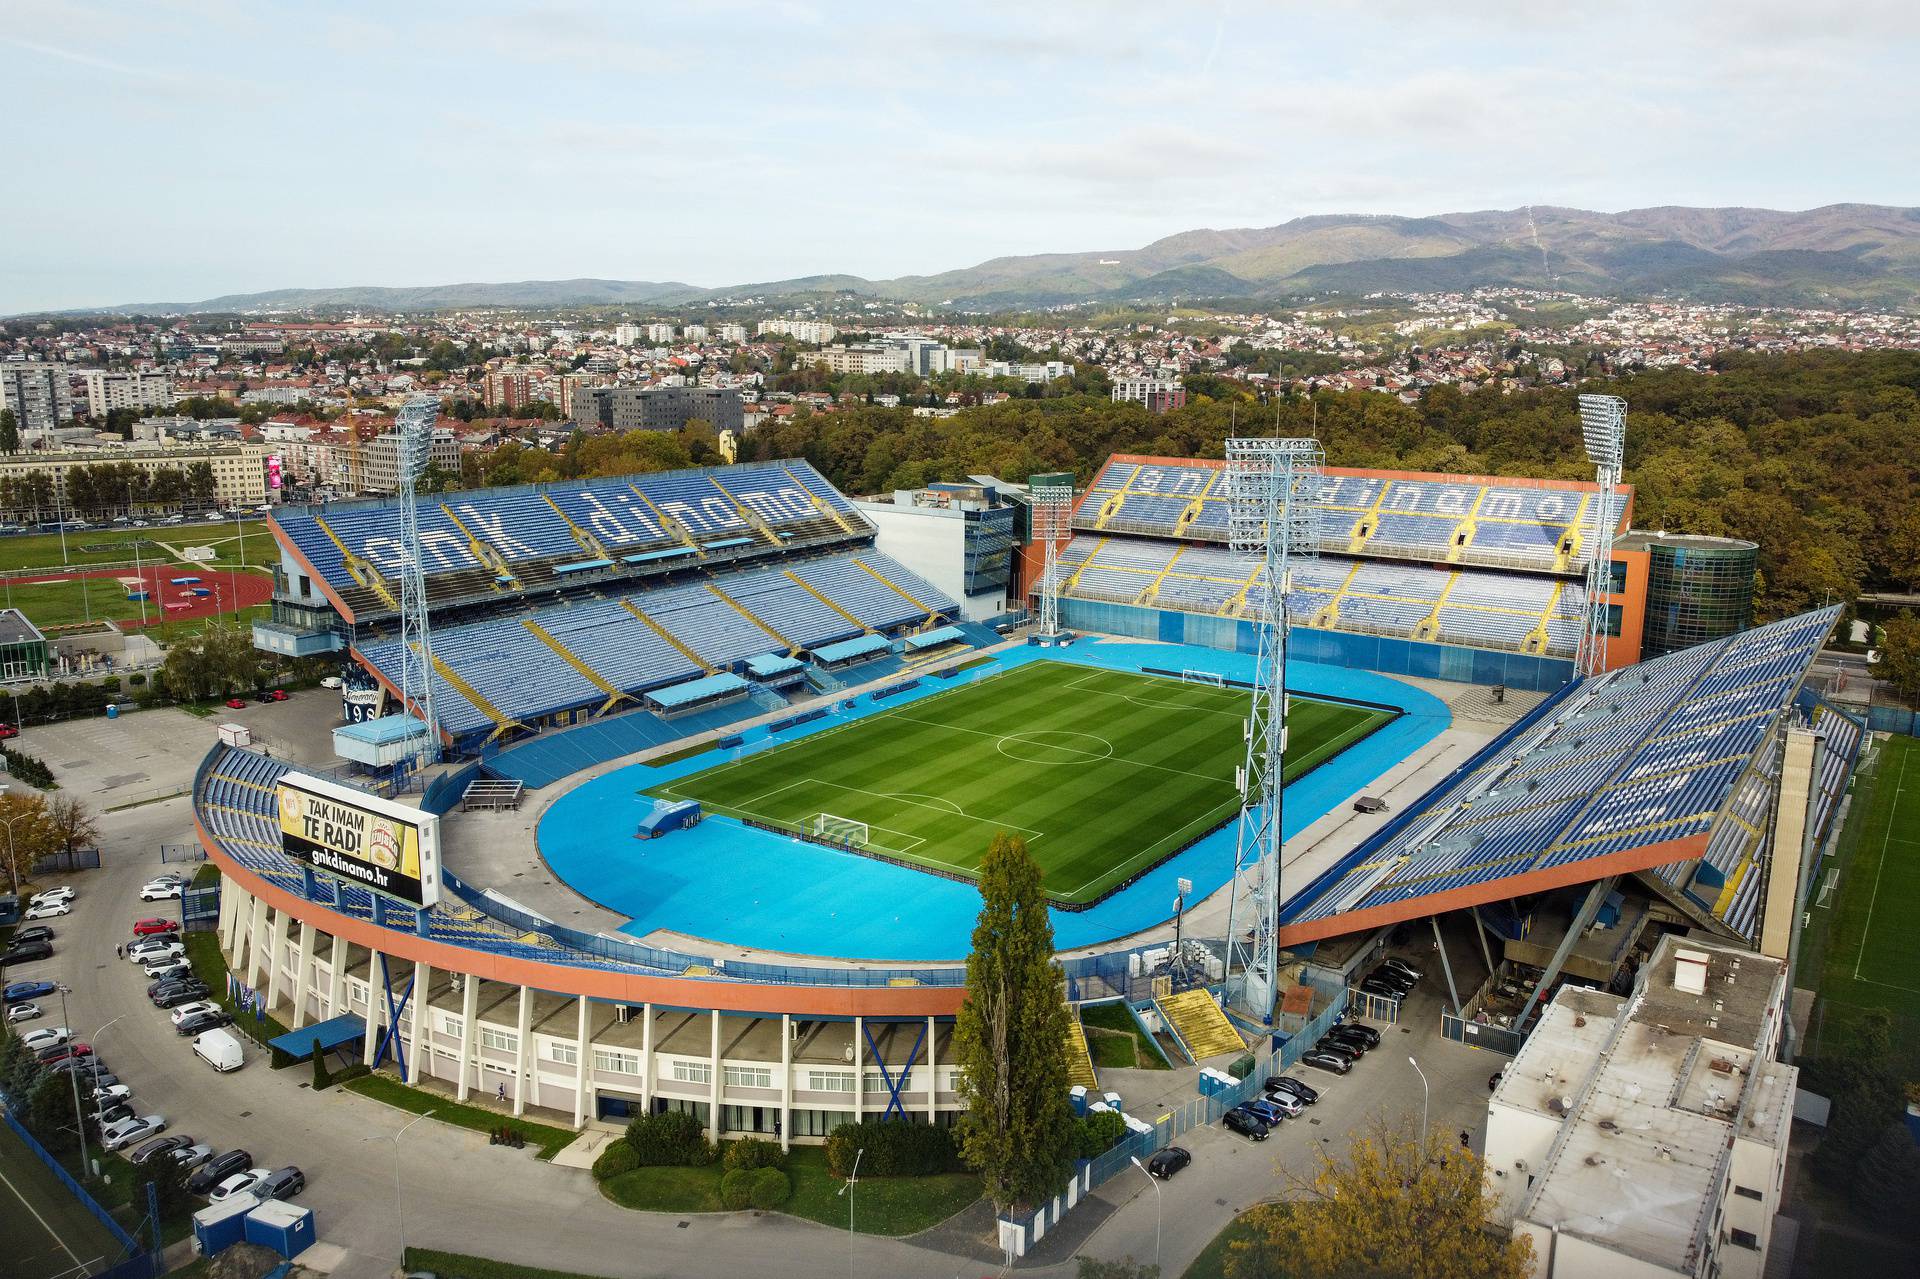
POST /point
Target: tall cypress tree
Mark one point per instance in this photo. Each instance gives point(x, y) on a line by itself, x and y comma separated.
point(1010, 1037)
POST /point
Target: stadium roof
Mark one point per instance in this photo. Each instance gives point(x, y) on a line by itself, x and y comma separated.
point(1627, 771)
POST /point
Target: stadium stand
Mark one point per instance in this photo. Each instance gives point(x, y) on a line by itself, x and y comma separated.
point(1640, 769)
point(1079, 1060)
point(1197, 1022)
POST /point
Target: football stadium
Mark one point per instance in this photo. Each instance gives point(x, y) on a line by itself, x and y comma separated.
point(668, 790)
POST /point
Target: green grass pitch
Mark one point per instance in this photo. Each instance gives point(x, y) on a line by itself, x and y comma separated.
point(1860, 949)
point(44, 1231)
point(1103, 773)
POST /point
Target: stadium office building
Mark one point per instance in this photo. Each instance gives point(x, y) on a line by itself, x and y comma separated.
point(597, 618)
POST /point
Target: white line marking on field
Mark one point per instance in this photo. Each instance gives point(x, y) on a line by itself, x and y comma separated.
point(28, 1205)
point(1866, 929)
point(1001, 737)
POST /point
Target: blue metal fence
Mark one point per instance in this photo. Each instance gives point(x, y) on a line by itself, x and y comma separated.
point(136, 1262)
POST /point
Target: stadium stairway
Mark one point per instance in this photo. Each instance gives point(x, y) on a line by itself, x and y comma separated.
point(1079, 1060)
point(1197, 1022)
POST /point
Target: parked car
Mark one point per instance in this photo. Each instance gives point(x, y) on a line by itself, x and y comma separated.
point(160, 990)
point(112, 1114)
point(158, 1146)
point(193, 1009)
point(22, 990)
point(106, 1094)
point(200, 1022)
point(277, 695)
point(8, 731)
point(236, 703)
point(216, 1170)
point(1382, 989)
point(1167, 1162)
point(1288, 1084)
point(49, 1037)
point(1246, 1123)
point(128, 1131)
point(1338, 1063)
point(192, 1156)
point(38, 932)
point(164, 964)
point(48, 910)
point(1402, 966)
point(141, 948)
point(1360, 1031)
point(179, 970)
point(1266, 1108)
point(238, 1184)
point(155, 927)
point(1328, 1044)
point(160, 890)
point(1393, 977)
point(29, 952)
point(64, 893)
point(23, 1012)
point(1286, 1103)
point(263, 696)
point(1343, 1037)
point(281, 1183)
point(83, 1064)
point(53, 1054)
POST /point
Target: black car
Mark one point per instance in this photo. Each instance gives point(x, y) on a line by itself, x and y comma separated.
point(1382, 989)
point(1247, 1124)
point(33, 932)
point(113, 1114)
point(218, 1169)
point(166, 1145)
point(1337, 1063)
point(1284, 1083)
point(84, 1065)
point(1393, 977)
point(201, 1022)
point(174, 996)
point(1169, 1161)
point(1328, 1044)
point(28, 952)
point(1359, 1030)
point(1344, 1037)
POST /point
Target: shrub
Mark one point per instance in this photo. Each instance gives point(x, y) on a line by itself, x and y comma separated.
point(617, 1158)
point(750, 1153)
point(137, 679)
point(736, 1189)
point(669, 1139)
point(768, 1187)
point(320, 1077)
point(894, 1148)
point(1097, 1134)
point(28, 769)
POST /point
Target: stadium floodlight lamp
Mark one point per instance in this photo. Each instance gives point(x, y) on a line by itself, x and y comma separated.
point(414, 424)
point(1603, 428)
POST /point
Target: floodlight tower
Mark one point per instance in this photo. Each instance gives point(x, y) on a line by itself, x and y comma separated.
point(1273, 489)
point(1603, 425)
point(414, 427)
point(1052, 523)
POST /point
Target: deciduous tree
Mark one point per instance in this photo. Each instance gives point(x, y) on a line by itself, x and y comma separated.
point(1010, 1037)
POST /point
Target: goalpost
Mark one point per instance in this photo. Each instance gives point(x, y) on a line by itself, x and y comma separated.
point(1212, 678)
point(841, 830)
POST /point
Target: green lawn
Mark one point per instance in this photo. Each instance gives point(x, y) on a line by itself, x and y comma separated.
point(1212, 1261)
point(548, 1140)
point(1115, 1017)
point(1103, 773)
point(1860, 949)
point(43, 1229)
point(457, 1265)
point(1108, 1049)
point(882, 1205)
point(251, 543)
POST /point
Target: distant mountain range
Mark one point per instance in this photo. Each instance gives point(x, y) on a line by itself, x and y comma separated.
point(1843, 255)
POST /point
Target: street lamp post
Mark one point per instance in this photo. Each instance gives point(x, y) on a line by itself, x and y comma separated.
point(1155, 1183)
point(73, 1076)
point(847, 1190)
point(1425, 1096)
point(399, 1216)
point(13, 867)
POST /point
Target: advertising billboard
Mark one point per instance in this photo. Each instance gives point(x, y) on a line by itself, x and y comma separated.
point(360, 838)
point(273, 470)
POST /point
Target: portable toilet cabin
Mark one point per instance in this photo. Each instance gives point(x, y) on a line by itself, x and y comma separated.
point(1077, 1098)
point(286, 1228)
point(218, 1227)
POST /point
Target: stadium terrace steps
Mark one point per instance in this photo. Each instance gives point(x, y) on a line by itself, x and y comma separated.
point(1079, 1059)
point(1203, 1030)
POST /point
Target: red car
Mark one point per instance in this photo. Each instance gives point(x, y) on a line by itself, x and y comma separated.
point(57, 1055)
point(278, 694)
point(148, 927)
point(236, 703)
point(8, 730)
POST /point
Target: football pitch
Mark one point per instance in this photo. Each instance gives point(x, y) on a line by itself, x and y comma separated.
point(1860, 935)
point(44, 1232)
point(1103, 773)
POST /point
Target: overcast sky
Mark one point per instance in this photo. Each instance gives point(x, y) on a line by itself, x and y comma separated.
point(163, 151)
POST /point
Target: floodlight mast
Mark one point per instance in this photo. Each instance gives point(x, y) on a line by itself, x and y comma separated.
point(414, 428)
point(1603, 427)
point(1273, 488)
point(1052, 517)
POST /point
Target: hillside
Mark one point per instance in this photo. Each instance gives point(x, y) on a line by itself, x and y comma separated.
point(1839, 255)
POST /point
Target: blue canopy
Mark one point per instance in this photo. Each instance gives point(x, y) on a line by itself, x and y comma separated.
point(582, 566)
point(332, 1033)
point(932, 639)
point(850, 648)
point(648, 557)
point(696, 690)
point(767, 664)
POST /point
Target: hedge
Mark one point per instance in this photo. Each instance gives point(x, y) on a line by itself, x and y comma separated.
point(736, 1189)
point(750, 1153)
point(767, 1187)
point(670, 1139)
point(1098, 1133)
point(894, 1148)
point(617, 1158)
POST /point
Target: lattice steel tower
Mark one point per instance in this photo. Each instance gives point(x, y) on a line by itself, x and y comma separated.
point(414, 427)
point(1273, 488)
point(1603, 425)
point(1052, 521)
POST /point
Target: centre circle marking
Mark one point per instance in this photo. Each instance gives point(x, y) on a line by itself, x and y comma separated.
point(1042, 746)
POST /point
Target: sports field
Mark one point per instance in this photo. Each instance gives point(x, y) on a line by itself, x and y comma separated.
point(1861, 945)
point(56, 586)
point(44, 1232)
point(1103, 773)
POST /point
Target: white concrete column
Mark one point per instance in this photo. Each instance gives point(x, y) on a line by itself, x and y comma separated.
point(523, 1051)
point(419, 1024)
point(646, 1059)
point(254, 925)
point(469, 1013)
point(276, 957)
point(233, 900)
point(260, 945)
point(582, 1061)
point(786, 1081)
point(303, 975)
point(337, 976)
point(859, 1068)
point(933, 1075)
point(374, 960)
point(713, 1079)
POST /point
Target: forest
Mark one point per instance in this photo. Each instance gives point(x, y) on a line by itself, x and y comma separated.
point(1816, 457)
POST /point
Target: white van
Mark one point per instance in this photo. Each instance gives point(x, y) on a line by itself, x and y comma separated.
point(219, 1049)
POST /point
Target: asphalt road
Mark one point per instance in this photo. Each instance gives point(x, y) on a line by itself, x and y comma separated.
point(445, 1187)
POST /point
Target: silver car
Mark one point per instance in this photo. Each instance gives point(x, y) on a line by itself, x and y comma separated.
point(127, 1131)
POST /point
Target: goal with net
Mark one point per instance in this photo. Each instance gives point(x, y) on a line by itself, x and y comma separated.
point(840, 830)
point(1213, 678)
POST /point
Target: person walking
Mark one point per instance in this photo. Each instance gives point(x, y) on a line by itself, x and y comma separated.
point(502, 1093)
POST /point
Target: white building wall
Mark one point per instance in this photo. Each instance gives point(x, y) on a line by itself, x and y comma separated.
point(933, 543)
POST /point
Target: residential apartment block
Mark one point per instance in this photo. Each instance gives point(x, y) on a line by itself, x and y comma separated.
point(108, 390)
point(39, 395)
